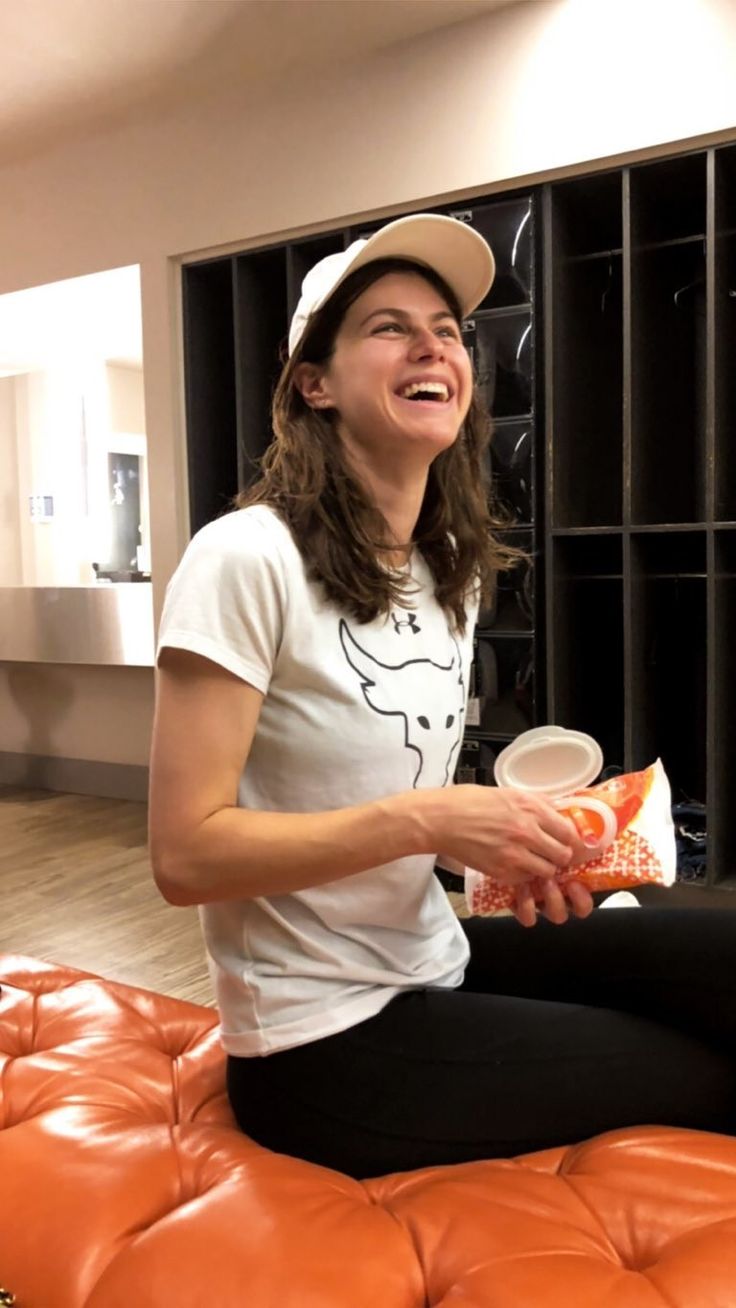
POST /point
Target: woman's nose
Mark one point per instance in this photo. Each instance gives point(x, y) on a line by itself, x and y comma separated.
point(425, 343)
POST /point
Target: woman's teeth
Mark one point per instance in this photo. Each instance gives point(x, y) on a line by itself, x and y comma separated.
point(429, 389)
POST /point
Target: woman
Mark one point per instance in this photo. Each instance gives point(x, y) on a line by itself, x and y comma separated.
point(313, 668)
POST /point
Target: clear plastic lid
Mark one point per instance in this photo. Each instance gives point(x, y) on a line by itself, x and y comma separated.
point(549, 760)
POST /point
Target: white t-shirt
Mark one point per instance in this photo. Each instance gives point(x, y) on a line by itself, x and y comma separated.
point(351, 712)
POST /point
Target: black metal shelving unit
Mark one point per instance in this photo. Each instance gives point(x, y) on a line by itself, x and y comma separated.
point(605, 353)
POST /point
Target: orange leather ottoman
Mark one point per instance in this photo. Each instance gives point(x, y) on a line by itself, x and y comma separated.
point(126, 1185)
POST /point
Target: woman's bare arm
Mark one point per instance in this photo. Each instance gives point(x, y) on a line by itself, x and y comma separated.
point(204, 848)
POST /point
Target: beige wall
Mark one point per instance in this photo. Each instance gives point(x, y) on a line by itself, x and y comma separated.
point(125, 392)
point(77, 712)
point(49, 427)
point(536, 88)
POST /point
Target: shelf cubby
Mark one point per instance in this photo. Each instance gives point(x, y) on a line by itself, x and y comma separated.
point(667, 706)
point(512, 468)
point(261, 326)
point(512, 611)
point(722, 743)
point(509, 229)
point(668, 384)
point(210, 388)
point(500, 344)
point(587, 217)
point(724, 340)
point(503, 683)
point(725, 178)
point(668, 200)
point(585, 646)
point(585, 448)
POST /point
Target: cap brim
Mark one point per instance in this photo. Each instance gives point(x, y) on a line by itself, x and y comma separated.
point(458, 253)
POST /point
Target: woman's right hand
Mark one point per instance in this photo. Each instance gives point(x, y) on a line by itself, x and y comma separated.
point(509, 834)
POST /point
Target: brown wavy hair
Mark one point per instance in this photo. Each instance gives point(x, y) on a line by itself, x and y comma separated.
point(338, 529)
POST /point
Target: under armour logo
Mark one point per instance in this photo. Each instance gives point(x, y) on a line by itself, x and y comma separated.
point(410, 621)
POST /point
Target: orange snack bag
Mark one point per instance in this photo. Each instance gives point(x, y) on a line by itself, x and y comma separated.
point(643, 851)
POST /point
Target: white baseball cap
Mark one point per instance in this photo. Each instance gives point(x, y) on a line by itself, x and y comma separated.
point(458, 253)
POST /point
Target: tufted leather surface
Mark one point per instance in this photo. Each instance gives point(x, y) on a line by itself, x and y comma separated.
point(124, 1182)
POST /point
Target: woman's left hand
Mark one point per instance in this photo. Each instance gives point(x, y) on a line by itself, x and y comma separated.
point(553, 901)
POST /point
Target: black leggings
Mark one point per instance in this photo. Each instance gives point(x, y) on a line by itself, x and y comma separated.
point(557, 1033)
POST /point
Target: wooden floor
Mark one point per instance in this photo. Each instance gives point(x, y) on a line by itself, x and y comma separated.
point(76, 888)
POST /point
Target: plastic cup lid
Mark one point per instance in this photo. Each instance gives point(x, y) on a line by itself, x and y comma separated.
point(549, 760)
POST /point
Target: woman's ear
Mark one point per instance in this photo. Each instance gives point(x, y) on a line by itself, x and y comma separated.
point(310, 380)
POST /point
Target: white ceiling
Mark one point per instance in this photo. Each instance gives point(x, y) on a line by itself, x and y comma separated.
point(68, 65)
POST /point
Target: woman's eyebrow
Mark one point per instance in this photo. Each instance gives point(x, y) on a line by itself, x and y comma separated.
point(402, 313)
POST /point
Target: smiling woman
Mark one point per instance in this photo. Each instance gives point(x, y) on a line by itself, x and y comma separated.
point(390, 326)
point(315, 646)
point(397, 386)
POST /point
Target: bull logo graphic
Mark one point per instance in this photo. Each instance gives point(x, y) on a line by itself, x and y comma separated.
point(419, 691)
